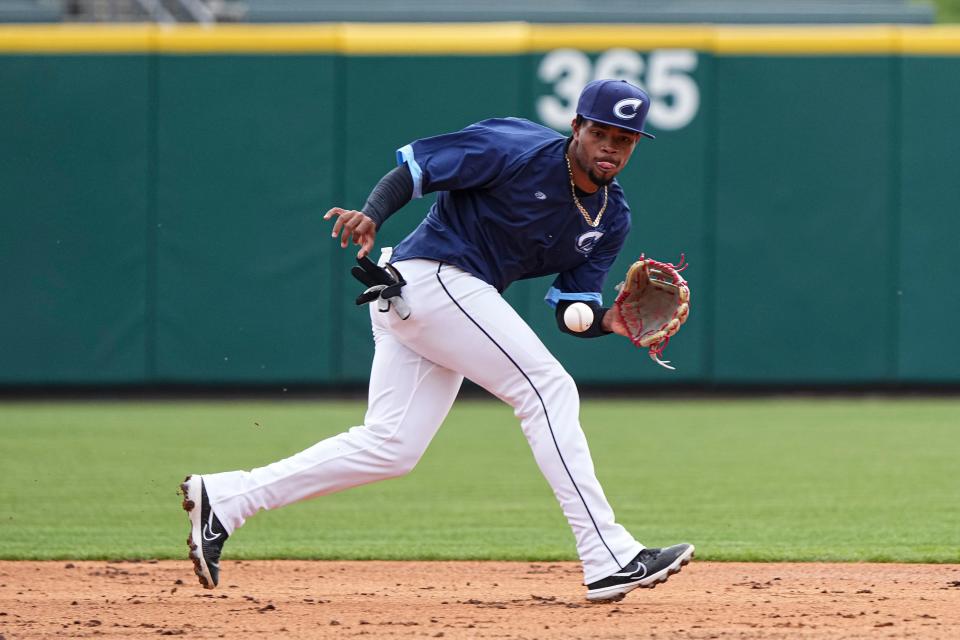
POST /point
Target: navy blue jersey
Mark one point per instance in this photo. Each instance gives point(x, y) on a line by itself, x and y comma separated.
point(504, 211)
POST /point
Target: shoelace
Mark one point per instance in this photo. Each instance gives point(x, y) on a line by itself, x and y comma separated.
point(649, 554)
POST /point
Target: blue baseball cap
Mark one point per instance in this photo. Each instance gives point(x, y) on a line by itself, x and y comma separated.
point(617, 103)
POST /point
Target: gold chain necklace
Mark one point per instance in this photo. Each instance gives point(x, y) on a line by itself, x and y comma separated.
point(576, 200)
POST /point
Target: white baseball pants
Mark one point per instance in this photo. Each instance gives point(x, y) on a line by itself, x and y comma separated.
point(460, 327)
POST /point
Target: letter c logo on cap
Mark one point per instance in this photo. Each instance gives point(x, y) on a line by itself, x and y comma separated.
point(627, 108)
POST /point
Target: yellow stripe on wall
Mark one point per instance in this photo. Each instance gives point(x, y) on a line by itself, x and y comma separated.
point(70, 38)
point(825, 40)
point(310, 38)
point(507, 38)
point(435, 38)
point(940, 40)
point(601, 37)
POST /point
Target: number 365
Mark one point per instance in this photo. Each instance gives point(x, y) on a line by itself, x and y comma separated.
point(674, 95)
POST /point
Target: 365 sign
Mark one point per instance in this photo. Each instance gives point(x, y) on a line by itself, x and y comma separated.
point(665, 74)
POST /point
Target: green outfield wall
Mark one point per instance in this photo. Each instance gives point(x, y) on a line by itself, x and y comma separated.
point(162, 192)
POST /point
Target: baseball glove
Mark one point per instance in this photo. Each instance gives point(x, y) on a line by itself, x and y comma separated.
point(653, 301)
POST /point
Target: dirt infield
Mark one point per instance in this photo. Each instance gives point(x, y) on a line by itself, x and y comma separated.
point(287, 599)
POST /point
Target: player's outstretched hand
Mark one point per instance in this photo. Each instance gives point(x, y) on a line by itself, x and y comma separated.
point(353, 226)
point(612, 322)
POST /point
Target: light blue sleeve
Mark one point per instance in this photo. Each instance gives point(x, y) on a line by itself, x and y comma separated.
point(405, 154)
point(555, 295)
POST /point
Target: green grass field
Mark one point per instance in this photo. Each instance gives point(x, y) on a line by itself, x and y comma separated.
point(769, 479)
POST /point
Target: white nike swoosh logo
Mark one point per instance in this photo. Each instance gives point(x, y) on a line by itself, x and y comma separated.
point(206, 530)
point(640, 576)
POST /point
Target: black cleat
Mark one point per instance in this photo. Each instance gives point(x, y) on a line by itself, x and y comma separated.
point(649, 568)
point(207, 535)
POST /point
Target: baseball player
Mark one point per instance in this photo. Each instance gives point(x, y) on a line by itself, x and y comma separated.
point(514, 200)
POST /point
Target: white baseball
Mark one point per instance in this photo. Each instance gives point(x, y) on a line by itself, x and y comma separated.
point(578, 317)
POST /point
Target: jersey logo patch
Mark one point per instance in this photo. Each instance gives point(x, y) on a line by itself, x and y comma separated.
point(540, 195)
point(587, 241)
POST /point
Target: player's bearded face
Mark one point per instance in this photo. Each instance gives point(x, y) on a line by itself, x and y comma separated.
point(601, 151)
